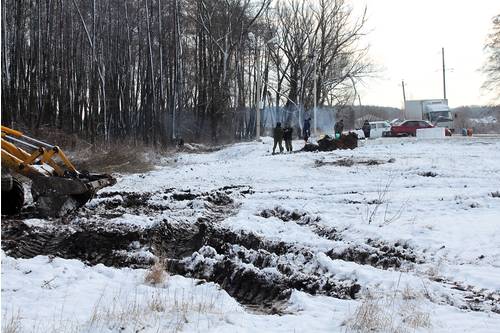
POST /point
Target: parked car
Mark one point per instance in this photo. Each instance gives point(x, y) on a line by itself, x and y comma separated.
point(379, 129)
point(409, 128)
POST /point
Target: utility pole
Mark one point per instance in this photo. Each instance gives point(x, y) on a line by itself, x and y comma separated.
point(315, 98)
point(444, 75)
point(404, 98)
point(404, 94)
point(257, 104)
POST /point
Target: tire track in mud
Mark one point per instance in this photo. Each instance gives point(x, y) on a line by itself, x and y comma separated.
point(375, 253)
point(93, 236)
point(255, 271)
point(471, 298)
point(89, 242)
point(186, 232)
point(397, 256)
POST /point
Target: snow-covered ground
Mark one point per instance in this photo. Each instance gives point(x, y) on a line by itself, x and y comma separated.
point(435, 198)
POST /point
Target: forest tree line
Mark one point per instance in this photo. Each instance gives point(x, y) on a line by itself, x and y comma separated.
point(153, 71)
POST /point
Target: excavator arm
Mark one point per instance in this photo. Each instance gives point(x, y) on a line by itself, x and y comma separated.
point(57, 186)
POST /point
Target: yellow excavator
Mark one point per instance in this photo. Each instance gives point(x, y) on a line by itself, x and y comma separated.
point(57, 187)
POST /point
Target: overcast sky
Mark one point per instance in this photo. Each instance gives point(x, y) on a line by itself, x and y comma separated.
point(406, 37)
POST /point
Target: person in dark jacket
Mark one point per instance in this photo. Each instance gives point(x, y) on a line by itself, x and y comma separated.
point(307, 129)
point(339, 127)
point(278, 137)
point(366, 129)
point(287, 136)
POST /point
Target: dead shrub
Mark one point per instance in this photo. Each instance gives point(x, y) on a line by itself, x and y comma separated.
point(156, 274)
point(383, 202)
point(382, 197)
point(53, 136)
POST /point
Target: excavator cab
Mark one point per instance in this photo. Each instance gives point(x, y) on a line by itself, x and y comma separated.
point(57, 187)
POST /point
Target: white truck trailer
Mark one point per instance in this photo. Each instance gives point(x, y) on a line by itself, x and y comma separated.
point(436, 111)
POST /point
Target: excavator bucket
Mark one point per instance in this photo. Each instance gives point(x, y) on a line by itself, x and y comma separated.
point(59, 196)
point(58, 188)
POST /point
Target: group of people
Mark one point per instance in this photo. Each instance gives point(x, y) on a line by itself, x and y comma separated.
point(280, 134)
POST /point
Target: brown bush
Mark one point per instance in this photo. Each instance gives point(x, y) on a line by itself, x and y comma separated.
point(156, 274)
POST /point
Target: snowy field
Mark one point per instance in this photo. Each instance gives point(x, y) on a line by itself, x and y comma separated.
point(415, 223)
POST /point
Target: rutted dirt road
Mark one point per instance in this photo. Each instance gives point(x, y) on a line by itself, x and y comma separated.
point(186, 231)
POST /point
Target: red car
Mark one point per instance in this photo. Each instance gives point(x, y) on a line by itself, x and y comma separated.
point(409, 128)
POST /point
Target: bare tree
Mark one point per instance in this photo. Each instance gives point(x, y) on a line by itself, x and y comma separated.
point(492, 66)
point(321, 37)
point(152, 71)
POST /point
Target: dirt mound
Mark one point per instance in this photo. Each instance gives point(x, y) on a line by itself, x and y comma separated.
point(348, 162)
point(258, 277)
point(180, 196)
point(90, 243)
point(283, 214)
point(253, 270)
point(346, 141)
point(377, 254)
point(305, 219)
point(327, 143)
point(427, 174)
point(474, 299)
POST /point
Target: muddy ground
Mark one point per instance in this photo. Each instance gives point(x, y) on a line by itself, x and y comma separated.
point(184, 229)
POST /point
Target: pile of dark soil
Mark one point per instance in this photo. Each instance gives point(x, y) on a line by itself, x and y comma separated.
point(377, 254)
point(91, 243)
point(348, 162)
point(327, 143)
point(495, 194)
point(427, 174)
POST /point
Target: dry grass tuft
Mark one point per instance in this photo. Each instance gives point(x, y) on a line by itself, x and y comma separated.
point(414, 318)
point(397, 313)
point(369, 317)
point(157, 303)
point(156, 274)
point(409, 294)
point(11, 323)
point(163, 310)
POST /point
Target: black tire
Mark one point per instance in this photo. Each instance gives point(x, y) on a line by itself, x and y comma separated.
point(13, 199)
